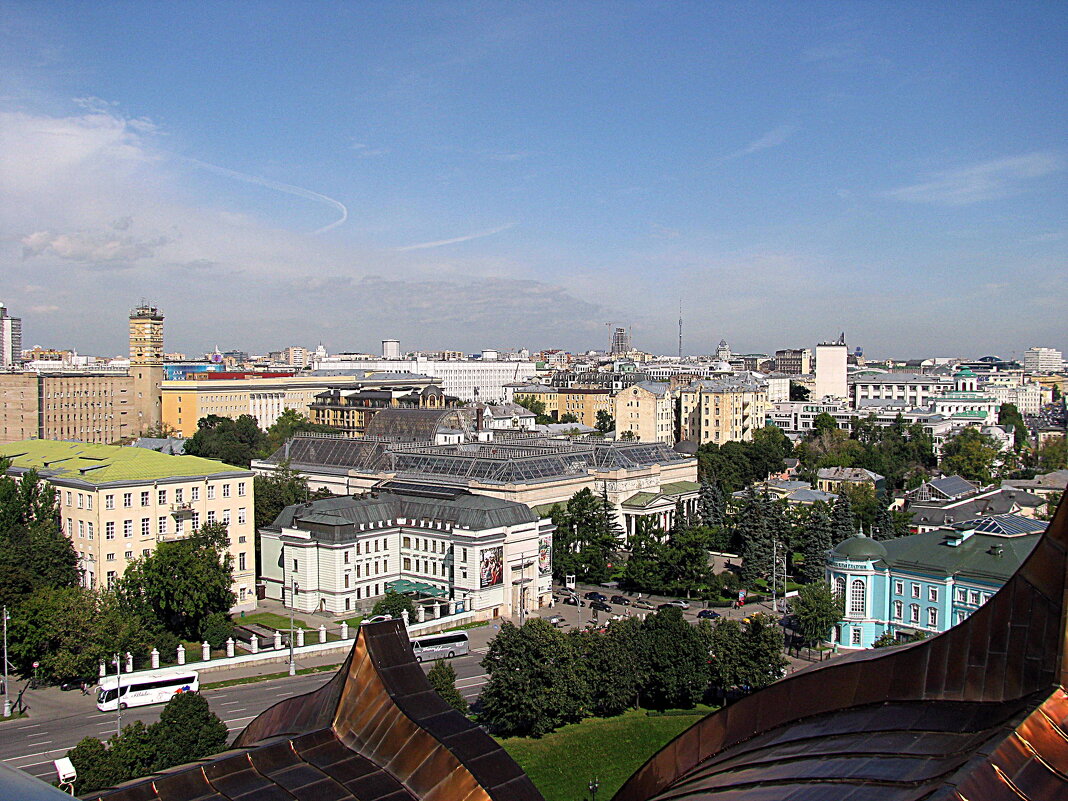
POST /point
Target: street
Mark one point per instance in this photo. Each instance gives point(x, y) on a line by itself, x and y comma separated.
point(31, 744)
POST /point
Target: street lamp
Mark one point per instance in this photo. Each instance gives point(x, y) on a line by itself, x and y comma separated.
point(118, 695)
point(294, 587)
point(594, 785)
point(7, 699)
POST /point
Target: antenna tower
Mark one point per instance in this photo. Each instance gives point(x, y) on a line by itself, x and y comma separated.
point(680, 329)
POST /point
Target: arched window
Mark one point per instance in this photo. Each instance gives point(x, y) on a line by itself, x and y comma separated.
point(839, 587)
point(856, 598)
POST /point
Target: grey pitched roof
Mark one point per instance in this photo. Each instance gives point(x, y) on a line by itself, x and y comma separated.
point(953, 486)
point(848, 474)
point(999, 502)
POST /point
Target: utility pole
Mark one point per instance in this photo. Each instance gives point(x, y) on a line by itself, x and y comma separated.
point(118, 694)
point(7, 699)
point(292, 604)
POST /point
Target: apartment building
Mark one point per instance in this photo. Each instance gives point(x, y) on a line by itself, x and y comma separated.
point(74, 406)
point(117, 503)
point(265, 398)
point(722, 410)
point(351, 410)
point(647, 411)
point(582, 403)
point(910, 389)
point(793, 361)
point(469, 380)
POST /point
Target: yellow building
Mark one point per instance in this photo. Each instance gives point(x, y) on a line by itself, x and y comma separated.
point(559, 401)
point(723, 410)
point(116, 503)
point(647, 411)
point(186, 402)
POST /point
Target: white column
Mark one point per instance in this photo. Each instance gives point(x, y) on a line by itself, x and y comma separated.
point(103, 670)
point(420, 614)
point(344, 630)
point(300, 638)
point(254, 642)
point(205, 651)
point(181, 654)
point(277, 640)
point(230, 646)
point(322, 633)
point(129, 662)
point(155, 658)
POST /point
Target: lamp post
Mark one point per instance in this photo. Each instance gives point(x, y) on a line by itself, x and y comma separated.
point(594, 785)
point(293, 587)
point(118, 694)
point(7, 699)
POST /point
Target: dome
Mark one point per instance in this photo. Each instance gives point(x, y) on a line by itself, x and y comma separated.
point(722, 367)
point(859, 548)
point(965, 373)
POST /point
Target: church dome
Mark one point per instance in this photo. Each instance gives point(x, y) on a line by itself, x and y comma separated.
point(859, 548)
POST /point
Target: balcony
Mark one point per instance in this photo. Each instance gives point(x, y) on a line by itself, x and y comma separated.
point(183, 508)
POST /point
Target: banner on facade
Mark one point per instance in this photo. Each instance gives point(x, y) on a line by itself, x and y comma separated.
point(491, 568)
point(545, 555)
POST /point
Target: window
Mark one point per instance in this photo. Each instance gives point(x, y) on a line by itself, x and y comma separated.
point(194, 521)
point(226, 490)
point(241, 561)
point(915, 590)
point(898, 609)
point(932, 617)
point(88, 501)
point(296, 566)
point(407, 563)
point(346, 581)
point(855, 636)
point(406, 542)
point(81, 529)
point(111, 577)
point(465, 554)
point(242, 538)
point(241, 516)
point(70, 499)
point(111, 557)
point(914, 613)
point(211, 492)
point(975, 597)
point(962, 596)
point(127, 528)
point(89, 529)
point(346, 557)
point(899, 588)
point(144, 552)
point(241, 489)
point(146, 498)
point(194, 493)
point(856, 598)
point(161, 497)
point(932, 594)
point(385, 565)
point(178, 495)
point(109, 502)
point(146, 527)
point(226, 517)
point(348, 604)
point(127, 500)
point(109, 530)
point(161, 526)
point(128, 555)
point(358, 570)
point(81, 501)
point(211, 516)
point(376, 546)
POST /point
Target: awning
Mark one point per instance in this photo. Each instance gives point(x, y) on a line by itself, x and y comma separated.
point(404, 586)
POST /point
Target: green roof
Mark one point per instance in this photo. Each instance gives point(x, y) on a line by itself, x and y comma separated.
point(545, 509)
point(103, 464)
point(679, 487)
point(973, 558)
point(640, 499)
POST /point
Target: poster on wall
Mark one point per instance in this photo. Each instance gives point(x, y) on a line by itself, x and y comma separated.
point(545, 555)
point(491, 569)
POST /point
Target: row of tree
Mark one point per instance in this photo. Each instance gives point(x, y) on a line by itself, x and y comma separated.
point(239, 441)
point(541, 678)
point(187, 730)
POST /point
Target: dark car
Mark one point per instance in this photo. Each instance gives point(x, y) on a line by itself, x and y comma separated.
point(595, 596)
point(708, 614)
point(572, 600)
point(601, 606)
point(619, 599)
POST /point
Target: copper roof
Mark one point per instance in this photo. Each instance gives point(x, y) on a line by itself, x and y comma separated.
point(376, 732)
point(978, 712)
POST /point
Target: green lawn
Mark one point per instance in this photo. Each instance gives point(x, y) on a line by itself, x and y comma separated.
point(561, 764)
point(273, 621)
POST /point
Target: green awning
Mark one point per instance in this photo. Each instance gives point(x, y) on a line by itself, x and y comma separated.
point(404, 586)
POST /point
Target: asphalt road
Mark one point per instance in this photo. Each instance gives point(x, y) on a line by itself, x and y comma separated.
point(31, 744)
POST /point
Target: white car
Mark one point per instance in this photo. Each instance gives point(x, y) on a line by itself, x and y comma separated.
point(679, 604)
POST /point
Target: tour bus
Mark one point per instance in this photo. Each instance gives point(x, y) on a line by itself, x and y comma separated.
point(438, 646)
point(144, 689)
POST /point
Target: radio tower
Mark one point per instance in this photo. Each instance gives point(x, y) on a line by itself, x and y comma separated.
point(680, 329)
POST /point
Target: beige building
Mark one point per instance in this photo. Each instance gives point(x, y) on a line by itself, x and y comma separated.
point(186, 402)
point(559, 401)
point(146, 365)
point(721, 410)
point(647, 411)
point(116, 503)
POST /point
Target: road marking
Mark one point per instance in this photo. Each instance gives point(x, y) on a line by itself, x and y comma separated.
point(31, 726)
point(229, 703)
point(235, 720)
point(37, 754)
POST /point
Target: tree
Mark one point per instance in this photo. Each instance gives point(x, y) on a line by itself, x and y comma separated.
point(823, 423)
point(817, 610)
point(1009, 415)
point(605, 421)
point(674, 661)
point(756, 538)
point(70, 631)
point(290, 422)
point(394, 604)
point(442, 677)
point(182, 582)
point(95, 765)
point(235, 442)
point(1052, 454)
point(612, 666)
point(763, 660)
point(644, 569)
point(586, 535)
point(843, 526)
point(535, 680)
point(532, 404)
point(799, 392)
point(864, 503)
point(686, 559)
point(569, 418)
point(187, 730)
point(970, 454)
point(815, 544)
point(711, 506)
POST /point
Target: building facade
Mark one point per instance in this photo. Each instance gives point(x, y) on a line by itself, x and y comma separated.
point(351, 410)
point(647, 412)
point(721, 410)
point(480, 554)
point(467, 380)
point(116, 504)
point(925, 582)
point(831, 360)
point(1043, 360)
point(10, 340)
point(793, 361)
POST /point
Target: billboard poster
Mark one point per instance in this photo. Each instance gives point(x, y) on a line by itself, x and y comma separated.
point(545, 556)
point(491, 567)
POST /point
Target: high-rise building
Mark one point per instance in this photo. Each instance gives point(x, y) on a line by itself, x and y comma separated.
point(391, 349)
point(10, 339)
point(831, 360)
point(1043, 360)
point(793, 361)
point(621, 341)
point(146, 364)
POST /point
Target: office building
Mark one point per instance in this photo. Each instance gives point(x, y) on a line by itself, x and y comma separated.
point(117, 503)
point(621, 342)
point(391, 349)
point(646, 412)
point(1043, 360)
point(468, 380)
point(793, 361)
point(10, 340)
point(831, 370)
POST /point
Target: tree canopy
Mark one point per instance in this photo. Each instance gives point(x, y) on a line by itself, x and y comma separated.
point(586, 536)
point(235, 442)
point(970, 454)
point(817, 609)
point(393, 604)
point(442, 677)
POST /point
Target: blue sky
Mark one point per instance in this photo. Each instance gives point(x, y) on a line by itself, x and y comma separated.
point(519, 174)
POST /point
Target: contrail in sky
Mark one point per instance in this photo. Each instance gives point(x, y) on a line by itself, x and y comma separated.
point(289, 189)
point(455, 240)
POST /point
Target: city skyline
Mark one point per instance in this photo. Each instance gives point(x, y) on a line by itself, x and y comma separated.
point(472, 176)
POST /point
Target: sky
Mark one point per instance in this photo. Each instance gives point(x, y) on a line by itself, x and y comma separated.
point(504, 175)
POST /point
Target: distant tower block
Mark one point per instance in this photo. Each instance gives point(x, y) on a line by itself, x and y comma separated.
point(831, 359)
point(391, 349)
point(621, 341)
point(146, 364)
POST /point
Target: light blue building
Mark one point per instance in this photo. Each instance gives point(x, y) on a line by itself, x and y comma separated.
point(925, 582)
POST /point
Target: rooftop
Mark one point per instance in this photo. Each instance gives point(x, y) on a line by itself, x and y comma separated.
point(104, 464)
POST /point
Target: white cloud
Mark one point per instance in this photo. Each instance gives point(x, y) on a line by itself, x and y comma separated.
point(45, 309)
point(90, 248)
point(988, 180)
point(771, 139)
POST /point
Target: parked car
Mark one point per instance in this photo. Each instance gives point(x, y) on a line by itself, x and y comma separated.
point(708, 614)
point(572, 600)
point(619, 599)
point(600, 606)
point(595, 596)
point(557, 621)
point(642, 604)
point(678, 604)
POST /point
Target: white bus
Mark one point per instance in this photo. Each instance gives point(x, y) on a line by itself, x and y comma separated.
point(439, 646)
point(144, 689)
